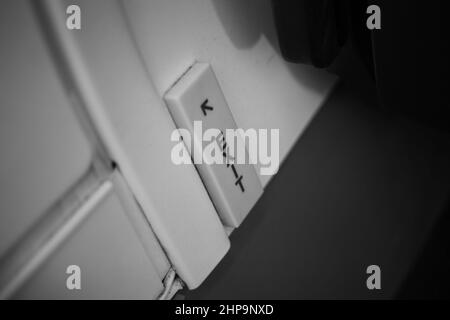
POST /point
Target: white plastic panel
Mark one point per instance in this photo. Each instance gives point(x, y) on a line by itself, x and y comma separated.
point(43, 149)
point(197, 105)
point(112, 261)
point(136, 127)
point(237, 37)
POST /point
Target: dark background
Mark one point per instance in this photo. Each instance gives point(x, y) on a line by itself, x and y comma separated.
point(367, 183)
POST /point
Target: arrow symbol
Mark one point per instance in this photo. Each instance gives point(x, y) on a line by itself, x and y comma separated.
point(205, 107)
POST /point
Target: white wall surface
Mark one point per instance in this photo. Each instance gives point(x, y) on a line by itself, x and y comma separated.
point(237, 37)
point(43, 148)
point(112, 260)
